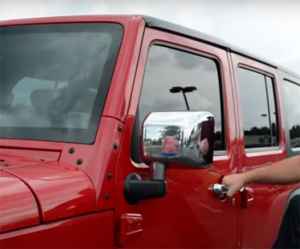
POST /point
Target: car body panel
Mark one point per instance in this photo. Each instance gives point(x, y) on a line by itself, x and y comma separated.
point(61, 191)
point(56, 194)
point(88, 231)
point(18, 208)
point(189, 212)
point(266, 203)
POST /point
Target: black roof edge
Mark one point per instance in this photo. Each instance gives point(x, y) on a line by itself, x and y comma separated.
point(194, 34)
point(288, 73)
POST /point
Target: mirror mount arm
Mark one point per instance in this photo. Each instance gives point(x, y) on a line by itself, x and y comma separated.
point(137, 189)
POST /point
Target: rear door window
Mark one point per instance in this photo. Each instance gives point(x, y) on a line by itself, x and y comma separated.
point(291, 99)
point(257, 99)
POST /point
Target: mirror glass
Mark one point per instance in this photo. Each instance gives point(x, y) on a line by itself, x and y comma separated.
point(180, 137)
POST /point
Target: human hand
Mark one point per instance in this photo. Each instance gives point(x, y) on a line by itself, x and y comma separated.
point(204, 146)
point(234, 183)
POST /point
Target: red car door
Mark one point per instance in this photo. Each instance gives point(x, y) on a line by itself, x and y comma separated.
point(189, 216)
point(263, 141)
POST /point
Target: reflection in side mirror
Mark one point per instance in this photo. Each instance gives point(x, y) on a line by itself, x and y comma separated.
point(179, 137)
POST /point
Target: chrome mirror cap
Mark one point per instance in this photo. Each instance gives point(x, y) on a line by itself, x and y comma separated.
point(185, 138)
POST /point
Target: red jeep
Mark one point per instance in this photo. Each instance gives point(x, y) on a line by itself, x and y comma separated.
point(86, 105)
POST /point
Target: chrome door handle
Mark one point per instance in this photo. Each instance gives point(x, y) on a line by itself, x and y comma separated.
point(219, 190)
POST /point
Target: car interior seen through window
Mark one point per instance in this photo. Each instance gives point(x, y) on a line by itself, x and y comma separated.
point(259, 124)
point(170, 74)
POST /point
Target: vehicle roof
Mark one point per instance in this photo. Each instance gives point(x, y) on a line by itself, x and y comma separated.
point(157, 24)
point(178, 29)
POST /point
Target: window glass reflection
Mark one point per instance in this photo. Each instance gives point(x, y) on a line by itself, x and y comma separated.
point(258, 109)
point(54, 79)
point(178, 81)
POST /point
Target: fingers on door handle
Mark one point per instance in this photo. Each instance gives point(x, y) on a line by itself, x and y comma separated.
point(246, 195)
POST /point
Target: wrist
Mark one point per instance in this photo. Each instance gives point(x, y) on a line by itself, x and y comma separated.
point(247, 177)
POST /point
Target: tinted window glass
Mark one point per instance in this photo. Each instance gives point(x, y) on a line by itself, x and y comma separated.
point(170, 74)
point(54, 78)
point(258, 109)
point(292, 97)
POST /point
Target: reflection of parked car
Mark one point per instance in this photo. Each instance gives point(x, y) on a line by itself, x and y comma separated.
point(74, 94)
point(296, 142)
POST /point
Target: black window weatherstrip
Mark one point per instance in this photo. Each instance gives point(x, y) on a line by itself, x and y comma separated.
point(291, 81)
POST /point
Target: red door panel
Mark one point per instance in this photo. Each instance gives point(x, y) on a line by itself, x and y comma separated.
point(189, 216)
point(262, 205)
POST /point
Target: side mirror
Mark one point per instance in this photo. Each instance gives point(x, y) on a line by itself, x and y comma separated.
point(179, 137)
point(171, 137)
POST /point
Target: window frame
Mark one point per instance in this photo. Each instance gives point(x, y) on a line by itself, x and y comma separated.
point(264, 73)
point(135, 154)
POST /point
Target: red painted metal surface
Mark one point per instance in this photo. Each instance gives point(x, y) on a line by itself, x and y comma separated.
point(189, 216)
point(261, 217)
point(122, 19)
point(62, 191)
point(18, 207)
point(22, 154)
point(41, 182)
point(62, 187)
point(131, 227)
point(90, 231)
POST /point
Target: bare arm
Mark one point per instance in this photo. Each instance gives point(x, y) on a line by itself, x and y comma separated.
point(286, 171)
